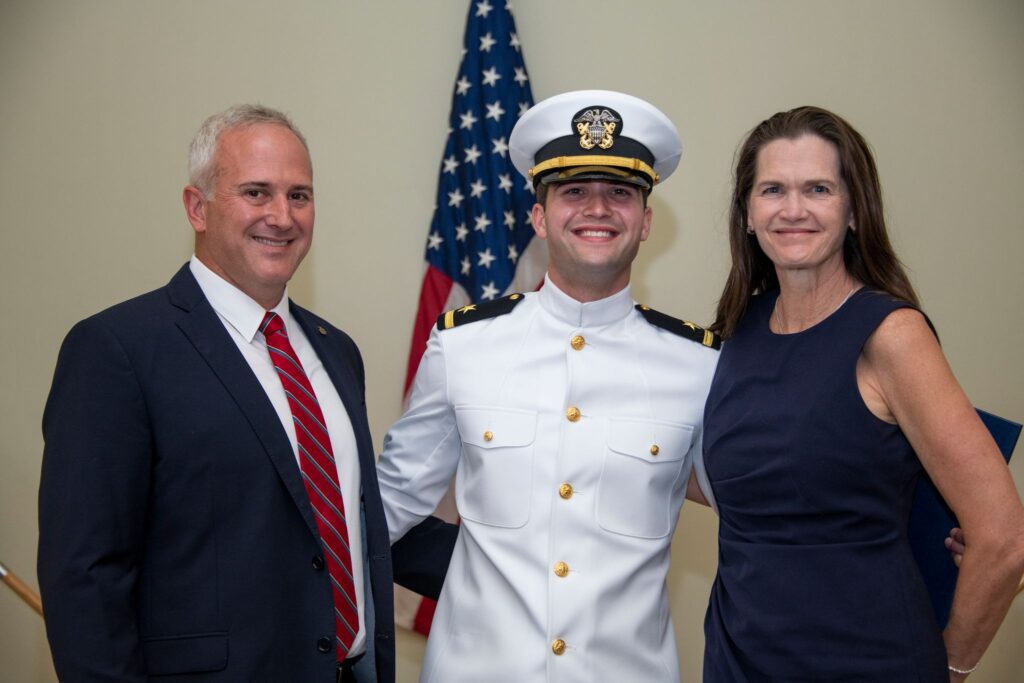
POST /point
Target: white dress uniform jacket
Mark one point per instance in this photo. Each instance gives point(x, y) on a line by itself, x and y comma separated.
point(570, 430)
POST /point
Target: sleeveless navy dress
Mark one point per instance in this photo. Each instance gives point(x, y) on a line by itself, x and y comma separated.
point(816, 580)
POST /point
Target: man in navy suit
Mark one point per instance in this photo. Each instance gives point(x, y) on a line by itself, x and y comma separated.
point(177, 537)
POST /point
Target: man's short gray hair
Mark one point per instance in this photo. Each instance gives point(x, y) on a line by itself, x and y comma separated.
point(202, 170)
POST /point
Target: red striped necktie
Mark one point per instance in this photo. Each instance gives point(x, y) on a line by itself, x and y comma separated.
point(319, 474)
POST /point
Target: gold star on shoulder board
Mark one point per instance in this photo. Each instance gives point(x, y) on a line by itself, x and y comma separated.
point(467, 308)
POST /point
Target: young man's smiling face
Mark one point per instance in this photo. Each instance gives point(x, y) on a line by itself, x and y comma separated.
point(593, 230)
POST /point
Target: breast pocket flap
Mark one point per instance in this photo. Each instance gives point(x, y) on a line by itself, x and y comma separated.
point(496, 428)
point(650, 441)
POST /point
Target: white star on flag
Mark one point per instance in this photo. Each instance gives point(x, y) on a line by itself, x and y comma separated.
point(462, 86)
point(513, 254)
point(472, 154)
point(482, 223)
point(521, 78)
point(477, 188)
point(489, 291)
point(467, 120)
point(500, 146)
point(486, 257)
point(494, 111)
point(505, 180)
point(455, 198)
point(465, 265)
point(510, 220)
point(486, 43)
point(460, 232)
point(490, 76)
point(434, 240)
point(483, 8)
point(450, 164)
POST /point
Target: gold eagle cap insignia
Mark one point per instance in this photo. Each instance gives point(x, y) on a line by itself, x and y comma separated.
point(597, 127)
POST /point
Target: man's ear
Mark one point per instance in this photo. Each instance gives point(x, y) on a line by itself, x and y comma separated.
point(645, 230)
point(195, 207)
point(539, 221)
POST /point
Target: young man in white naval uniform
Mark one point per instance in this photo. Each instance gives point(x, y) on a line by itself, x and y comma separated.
point(569, 419)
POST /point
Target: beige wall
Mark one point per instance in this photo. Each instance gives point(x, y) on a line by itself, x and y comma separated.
point(98, 101)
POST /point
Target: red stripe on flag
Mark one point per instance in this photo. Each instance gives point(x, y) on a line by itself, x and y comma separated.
point(424, 616)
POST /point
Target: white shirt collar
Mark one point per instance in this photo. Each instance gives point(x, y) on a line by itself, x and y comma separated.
point(236, 307)
point(590, 314)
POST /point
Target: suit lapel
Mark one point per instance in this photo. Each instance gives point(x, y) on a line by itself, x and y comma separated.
point(206, 332)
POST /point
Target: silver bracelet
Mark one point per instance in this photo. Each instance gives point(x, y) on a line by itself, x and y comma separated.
point(962, 672)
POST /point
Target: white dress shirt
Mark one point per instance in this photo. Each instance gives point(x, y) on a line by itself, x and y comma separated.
point(242, 316)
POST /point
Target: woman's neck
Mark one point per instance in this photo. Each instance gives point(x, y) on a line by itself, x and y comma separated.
point(806, 298)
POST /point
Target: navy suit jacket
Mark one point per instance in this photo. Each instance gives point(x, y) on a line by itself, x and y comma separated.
point(175, 535)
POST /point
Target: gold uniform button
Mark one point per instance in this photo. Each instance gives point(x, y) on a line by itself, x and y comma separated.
point(488, 436)
point(558, 646)
point(573, 414)
point(561, 569)
point(577, 342)
point(654, 449)
point(565, 491)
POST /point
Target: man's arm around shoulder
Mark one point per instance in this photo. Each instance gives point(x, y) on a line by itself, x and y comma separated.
point(420, 558)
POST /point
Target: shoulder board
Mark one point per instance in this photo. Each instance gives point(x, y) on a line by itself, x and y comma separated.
point(480, 311)
point(684, 328)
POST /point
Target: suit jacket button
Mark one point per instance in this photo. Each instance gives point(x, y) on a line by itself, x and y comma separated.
point(318, 562)
point(324, 645)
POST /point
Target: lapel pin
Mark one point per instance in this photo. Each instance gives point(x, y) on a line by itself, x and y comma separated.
point(322, 331)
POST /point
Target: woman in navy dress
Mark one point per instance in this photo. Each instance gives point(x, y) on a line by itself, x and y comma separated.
point(831, 394)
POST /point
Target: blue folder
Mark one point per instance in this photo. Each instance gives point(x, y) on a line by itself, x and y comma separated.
point(931, 519)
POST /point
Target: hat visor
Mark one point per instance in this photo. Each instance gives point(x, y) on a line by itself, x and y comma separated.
point(579, 173)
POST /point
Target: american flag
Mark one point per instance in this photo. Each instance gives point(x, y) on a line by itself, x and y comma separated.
point(480, 244)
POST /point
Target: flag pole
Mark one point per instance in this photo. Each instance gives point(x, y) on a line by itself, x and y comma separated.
point(21, 589)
